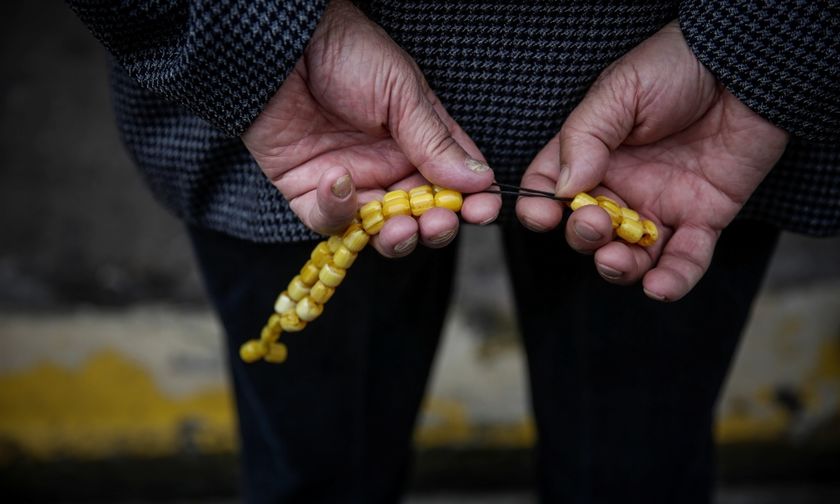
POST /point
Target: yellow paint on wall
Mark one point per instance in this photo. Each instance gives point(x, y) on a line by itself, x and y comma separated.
point(109, 406)
point(763, 419)
point(448, 424)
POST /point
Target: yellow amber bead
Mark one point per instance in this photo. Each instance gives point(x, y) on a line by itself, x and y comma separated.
point(612, 209)
point(284, 303)
point(373, 224)
point(630, 230)
point(309, 273)
point(332, 275)
point(291, 322)
point(627, 213)
point(253, 350)
point(581, 200)
point(421, 202)
point(370, 208)
point(606, 199)
point(394, 195)
point(321, 293)
point(372, 218)
point(277, 353)
point(274, 322)
point(308, 310)
point(396, 206)
point(436, 188)
point(447, 198)
point(335, 241)
point(321, 255)
point(270, 334)
point(343, 258)
point(423, 189)
point(297, 289)
point(651, 234)
point(354, 238)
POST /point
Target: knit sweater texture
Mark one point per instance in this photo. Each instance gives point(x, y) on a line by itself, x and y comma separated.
point(189, 76)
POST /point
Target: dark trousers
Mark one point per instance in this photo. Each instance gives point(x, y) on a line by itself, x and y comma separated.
point(623, 388)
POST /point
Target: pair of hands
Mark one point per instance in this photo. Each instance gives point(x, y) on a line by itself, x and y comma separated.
point(656, 132)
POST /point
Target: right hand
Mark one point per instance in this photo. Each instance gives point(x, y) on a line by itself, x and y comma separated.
point(356, 118)
point(659, 134)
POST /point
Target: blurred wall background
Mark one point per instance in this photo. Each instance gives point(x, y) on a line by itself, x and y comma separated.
point(112, 379)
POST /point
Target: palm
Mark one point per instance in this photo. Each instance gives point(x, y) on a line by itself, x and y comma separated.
point(312, 136)
point(701, 176)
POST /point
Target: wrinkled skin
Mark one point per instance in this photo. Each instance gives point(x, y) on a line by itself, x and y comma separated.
point(657, 133)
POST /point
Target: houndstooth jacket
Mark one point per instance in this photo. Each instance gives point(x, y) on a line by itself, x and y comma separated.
point(190, 75)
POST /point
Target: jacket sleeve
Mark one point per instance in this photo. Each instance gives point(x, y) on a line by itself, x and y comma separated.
point(780, 58)
point(221, 59)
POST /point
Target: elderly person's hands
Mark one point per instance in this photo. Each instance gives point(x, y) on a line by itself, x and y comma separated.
point(356, 118)
point(659, 134)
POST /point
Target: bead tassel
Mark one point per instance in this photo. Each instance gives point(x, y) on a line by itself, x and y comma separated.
point(304, 298)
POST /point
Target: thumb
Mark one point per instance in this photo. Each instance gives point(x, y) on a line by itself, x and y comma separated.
point(335, 202)
point(427, 136)
point(596, 127)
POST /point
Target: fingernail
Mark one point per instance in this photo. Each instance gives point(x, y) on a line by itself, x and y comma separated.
point(443, 238)
point(341, 188)
point(533, 225)
point(476, 165)
point(657, 297)
point(406, 246)
point(587, 232)
point(562, 178)
point(607, 272)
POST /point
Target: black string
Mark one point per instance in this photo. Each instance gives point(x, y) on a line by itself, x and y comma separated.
point(513, 190)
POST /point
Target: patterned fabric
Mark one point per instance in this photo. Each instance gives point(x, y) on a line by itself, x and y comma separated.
point(779, 58)
point(189, 74)
point(782, 59)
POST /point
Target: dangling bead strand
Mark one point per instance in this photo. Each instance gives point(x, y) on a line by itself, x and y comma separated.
point(304, 298)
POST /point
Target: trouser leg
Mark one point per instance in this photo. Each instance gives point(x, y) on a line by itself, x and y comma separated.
point(624, 388)
point(333, 423)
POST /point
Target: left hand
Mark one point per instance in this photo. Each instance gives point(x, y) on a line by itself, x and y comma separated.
point(356, 118)
point(659, 134)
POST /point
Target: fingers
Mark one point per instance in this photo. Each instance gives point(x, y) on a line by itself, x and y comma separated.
point(597, 126)
point(588, 229)
point(398, 237)
point(401, 234)
point(481, 208)
point(684, 260)
point(428, 142)
point(335, 202)
point(578, 157)
point(478, 208)
point(622, 264)
point(676, 267)
point(438, 227)
point(541, 214)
